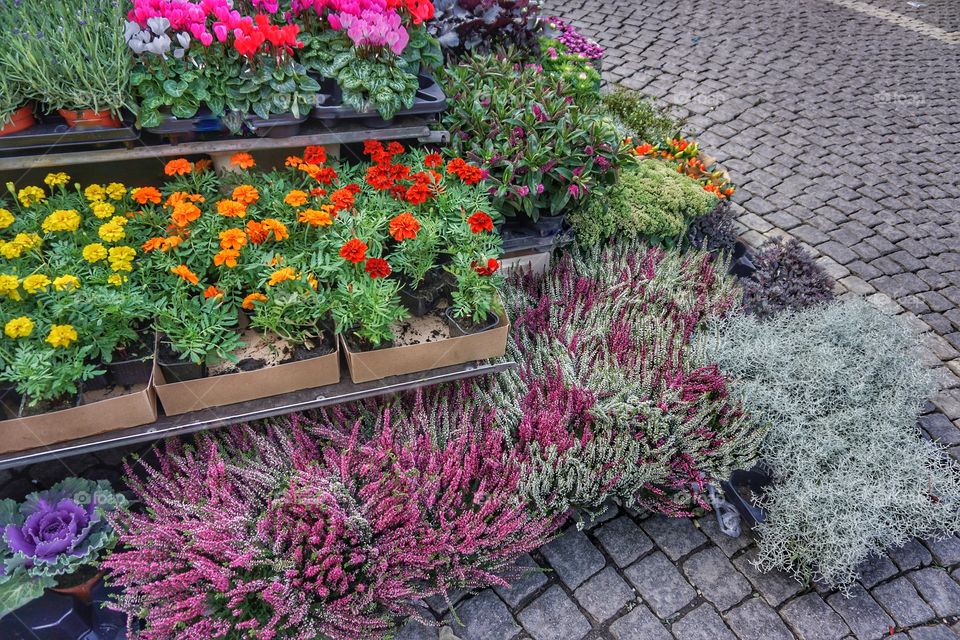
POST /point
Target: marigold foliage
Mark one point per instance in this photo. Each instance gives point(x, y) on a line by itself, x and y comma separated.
point(841, 389)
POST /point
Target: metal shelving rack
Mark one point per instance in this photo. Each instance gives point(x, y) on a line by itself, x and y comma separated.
point(272, 406)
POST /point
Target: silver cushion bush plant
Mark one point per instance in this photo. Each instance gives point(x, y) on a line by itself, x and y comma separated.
point(840, 388)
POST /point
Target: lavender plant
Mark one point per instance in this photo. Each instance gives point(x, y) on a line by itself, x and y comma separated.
point(787, 278)
point(607, 400)
point(841, 388)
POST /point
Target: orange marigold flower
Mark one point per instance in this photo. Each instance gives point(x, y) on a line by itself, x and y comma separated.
point(178, 167)
point(277, 228)
point(643, 149)
point(170, 243)
point(404, 227)
point(178, 197)
point(281, 275)
point(233, 239)
point(377, 268)
point(433, 160)
point(231, 209)
point(202, 165)
point(315, 154)
point(143, 195)
point(257, 232)
point(184, 213)
point(243, 160)
point(212, 292)
point(226, 257)
point(153, 244)
point(317, 218)
point(293, 161)
point(353, 251)
point(342, 199)
point(480, 222)
point(184, 272)
point(296, 198)
point(246, 194)
point(250, 299)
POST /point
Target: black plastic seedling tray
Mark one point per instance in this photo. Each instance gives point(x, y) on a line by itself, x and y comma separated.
point(56, 133)
point(430, 100)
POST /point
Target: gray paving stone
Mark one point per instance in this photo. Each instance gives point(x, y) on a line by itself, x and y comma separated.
point(937, 632)
point(708, 525)
point(660, 585)
point(483, 617)
point(639, 624)
point(413, 630)
point(676, 537)
point(774, 586)
point(532, 578)
point(945, 551)
point(553, 616)
point(866, 619)
point(756, 620)
point(604, 595)
point(811, 619)
point(941, 429)
point(910, 556)
point(623, 540)
point(713, 575)
point(573, 557)
point(938, 589)
point(875, 570)
point(903, 603)
point(702, 623)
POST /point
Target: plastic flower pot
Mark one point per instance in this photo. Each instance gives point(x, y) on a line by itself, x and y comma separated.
point(21, 119)
point(465, 326)
point(45, 406)
point(9, 400)
point(90, 119)
point(176, 369)
point(739, 490)
point(52, 616)
point(421, 300)
point(97, 382)
point(547, 226)
point(81, 591)
point(741, 264)
point(130, 371)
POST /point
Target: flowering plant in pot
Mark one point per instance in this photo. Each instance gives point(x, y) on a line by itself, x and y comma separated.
point(55, 539)
point(475, 302)
point(69, 305)
point(542, 151)
point(372, 49)
point(16, 114)
point(690, 161)
point(208, 55)
point(575, 58)
point(70, 57)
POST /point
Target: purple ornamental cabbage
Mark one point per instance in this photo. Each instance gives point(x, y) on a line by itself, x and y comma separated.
point(52, 533)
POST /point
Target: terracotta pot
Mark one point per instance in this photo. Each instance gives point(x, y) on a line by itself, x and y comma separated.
point(81, 591)
point(88, 118)
point(21, 119)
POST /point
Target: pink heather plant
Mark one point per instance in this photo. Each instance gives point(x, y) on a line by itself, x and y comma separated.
point(311, 530)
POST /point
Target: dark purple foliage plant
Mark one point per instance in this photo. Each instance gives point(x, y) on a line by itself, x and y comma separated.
point(787, 278)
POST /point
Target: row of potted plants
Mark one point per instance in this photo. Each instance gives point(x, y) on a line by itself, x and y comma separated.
point(241, 271)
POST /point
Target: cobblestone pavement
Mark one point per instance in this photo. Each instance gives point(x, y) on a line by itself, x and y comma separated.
point(839, 121)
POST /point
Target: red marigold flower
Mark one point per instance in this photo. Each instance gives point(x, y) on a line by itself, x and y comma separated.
point(418, 193)
point(487, 270)
point(377, 268)
point(404, 227)
point(433, 160)
point(315, 154)
point(395, 148)
point(480, 222)
point(353, 251)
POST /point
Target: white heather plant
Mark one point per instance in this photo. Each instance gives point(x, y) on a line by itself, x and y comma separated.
point(841, 388)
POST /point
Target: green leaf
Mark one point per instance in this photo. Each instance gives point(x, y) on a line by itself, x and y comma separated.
point(19, 588)
point(174, 88)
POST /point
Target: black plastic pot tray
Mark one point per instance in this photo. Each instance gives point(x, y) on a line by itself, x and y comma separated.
point(430, 100)
point(54, 133)
point(281, 125)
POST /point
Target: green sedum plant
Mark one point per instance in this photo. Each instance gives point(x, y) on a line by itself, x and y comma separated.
point(840, 388)
point(651, 200)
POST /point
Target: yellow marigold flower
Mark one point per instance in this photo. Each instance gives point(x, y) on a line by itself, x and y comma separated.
point(95, 193)
point(27, 241)
point(31, 195)
point(10, 250)
point(35, 282)
point(102, 209)
point(9, 285)
point(66, 282)
point(281, 275)
point(19, 327)
point(119, 220)
point(116, 190)
point(116, 279)
point(58, 179)
point(94, 252)
point(6, 218)
point(61, 220)
point(111, 232)
point(62, 335)
point(121, 258)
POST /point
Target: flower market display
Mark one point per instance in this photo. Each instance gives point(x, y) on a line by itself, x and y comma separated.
point(437, 409)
